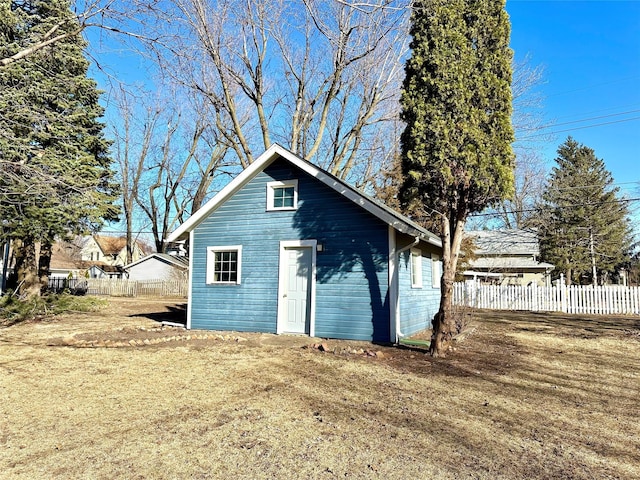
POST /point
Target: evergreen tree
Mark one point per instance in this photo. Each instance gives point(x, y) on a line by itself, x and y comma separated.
point(584, 226)
point(457, 157)
point(55, 175)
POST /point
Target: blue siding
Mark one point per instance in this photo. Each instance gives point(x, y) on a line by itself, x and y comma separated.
point(417, 305)
point(352, 269)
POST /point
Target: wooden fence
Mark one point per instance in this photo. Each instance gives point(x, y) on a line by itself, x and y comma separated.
point(137, 288)
point(605, 300)
point(121, 287)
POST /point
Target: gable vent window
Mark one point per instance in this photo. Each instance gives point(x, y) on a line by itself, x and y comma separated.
point(224, 264)
point(282, 195)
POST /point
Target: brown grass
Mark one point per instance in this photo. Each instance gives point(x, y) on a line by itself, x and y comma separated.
point(524, 396)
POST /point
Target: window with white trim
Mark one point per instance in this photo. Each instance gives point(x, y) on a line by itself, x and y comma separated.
point(416, 268)
point(224, 265)
point(282, 195)
point(436, 271)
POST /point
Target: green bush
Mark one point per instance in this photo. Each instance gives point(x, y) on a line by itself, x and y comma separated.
point(15, 310)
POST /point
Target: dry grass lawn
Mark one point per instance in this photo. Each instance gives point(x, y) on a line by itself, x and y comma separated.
point(525, 396)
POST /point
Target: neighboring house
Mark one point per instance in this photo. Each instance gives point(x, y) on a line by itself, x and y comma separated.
point(288, 248)
point(158, 266)
point(109, 250)
point(66, 261)
point(95, 256)
point(508, 257)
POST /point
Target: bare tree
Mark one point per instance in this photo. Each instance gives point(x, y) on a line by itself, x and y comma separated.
point(321, 78)
point(133, 141)
point(518, 212)
point(168, 158)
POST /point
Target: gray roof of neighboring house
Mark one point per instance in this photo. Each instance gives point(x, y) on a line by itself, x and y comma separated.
point(505, 242)
point(178, 261)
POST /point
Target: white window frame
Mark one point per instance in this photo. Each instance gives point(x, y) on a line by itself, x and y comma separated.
point(436, 273)
point(211, 258)
point(415, 258)
point(272, 186)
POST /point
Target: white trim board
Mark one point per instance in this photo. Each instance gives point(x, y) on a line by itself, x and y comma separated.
point(190, 295)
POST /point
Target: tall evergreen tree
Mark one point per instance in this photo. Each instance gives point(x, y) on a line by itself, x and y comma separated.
point(584, 226)
point(55, 175)
point(456, 147)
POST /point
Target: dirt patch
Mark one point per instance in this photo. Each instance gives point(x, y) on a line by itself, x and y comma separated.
point(524, 396)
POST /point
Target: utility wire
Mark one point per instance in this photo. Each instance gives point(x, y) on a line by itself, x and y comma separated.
point(553, 125)
point(600, 110)
point(575, 205)
point(579, 128)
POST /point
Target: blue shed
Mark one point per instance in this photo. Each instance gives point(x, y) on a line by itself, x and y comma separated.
point(287, 247)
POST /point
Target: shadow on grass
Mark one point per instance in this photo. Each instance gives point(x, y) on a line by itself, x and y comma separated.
point(174, 314)
point(576, 325)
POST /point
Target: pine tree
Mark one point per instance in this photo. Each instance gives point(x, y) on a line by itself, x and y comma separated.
point(584, 225)
point(55, 175)
point(457, 156)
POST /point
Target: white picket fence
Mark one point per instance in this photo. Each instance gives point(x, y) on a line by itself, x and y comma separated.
point(137, 288)
point(605, 300)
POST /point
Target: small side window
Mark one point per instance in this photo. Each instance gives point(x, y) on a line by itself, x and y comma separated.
point(282, 195)
point(224, 265)
point(416, 268)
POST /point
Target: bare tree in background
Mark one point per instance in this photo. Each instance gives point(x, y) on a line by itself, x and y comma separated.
point(133, 138)
point(321, 78)
point(168, 158)
point(530, 173)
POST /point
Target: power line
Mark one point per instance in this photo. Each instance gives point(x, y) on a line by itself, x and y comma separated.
point(575, 205)
point(580, 128)
point(553, 125)
point(600, 110)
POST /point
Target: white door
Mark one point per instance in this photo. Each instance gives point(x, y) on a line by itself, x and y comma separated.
point(295, 293)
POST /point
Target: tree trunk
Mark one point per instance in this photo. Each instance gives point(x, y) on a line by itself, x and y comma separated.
point(129, 235)
point(444, 322)
point(444, 325)
point(26, 281)
point(44, 264)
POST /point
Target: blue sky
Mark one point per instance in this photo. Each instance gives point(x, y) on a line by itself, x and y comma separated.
point(590, 51)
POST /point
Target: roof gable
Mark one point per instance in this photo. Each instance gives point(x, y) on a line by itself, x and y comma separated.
point(381, 211)
point(110, 245)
